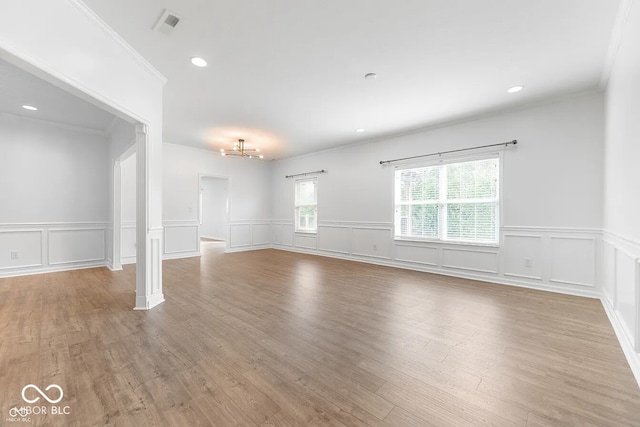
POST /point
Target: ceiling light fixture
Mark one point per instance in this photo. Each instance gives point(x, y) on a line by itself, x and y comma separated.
point(240, 151)
point(198, 62)
point(30, 107)
point(515, 89)
point(360, 130)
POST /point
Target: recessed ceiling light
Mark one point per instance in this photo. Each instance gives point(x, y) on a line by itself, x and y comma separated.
point(359, 130)
point(198, 62)
point(515, 89)
point(30, 107)
point(370, 76)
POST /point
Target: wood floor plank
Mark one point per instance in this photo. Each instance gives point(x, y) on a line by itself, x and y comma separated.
point(274, 338)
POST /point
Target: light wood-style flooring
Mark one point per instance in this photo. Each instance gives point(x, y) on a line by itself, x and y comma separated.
point(272, 338)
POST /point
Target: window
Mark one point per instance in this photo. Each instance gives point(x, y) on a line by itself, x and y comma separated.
point(307, 205)
point(449, 202)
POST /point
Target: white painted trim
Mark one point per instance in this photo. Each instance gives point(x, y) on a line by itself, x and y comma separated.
point(115, 36)
point(50, 74)
point(566, 230)
point(632, 357)
point(148, 302)
point(44, 270)
point(247, 248)
point(62, 225)
point(524, 276)
point(569, 282)
point(637, 340)
point(374, 224)
point(460, 274)
point(180, 255)
point(172, 226)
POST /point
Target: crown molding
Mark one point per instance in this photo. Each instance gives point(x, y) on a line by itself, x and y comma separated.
point(115, 36)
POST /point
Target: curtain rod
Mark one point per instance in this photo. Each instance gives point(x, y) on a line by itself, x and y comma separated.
point(514, 142)
point(306, 173)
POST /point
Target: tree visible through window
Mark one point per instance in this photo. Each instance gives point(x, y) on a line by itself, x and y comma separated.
point(306, 215)
point(454, 202)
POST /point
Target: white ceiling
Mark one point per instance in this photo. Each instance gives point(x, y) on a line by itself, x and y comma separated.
point(288, 75)
point(18, 88)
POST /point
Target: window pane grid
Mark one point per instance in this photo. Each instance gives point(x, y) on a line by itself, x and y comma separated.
point(453, 202)
point(306, 205)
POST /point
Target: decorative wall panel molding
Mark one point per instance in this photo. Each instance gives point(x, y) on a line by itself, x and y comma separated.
point(619, 262)
point(29, 248)
point(76, 245)
point(526, 257)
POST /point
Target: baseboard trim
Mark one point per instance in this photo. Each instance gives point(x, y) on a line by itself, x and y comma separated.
point(180, 255)
point(630, 354)
point(54, 269)
point(587, 293)
point(247, 248)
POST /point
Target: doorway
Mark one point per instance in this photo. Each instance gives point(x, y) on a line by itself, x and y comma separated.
point(214, 210)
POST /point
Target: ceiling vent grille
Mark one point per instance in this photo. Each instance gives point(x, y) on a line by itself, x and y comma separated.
point(167, 22)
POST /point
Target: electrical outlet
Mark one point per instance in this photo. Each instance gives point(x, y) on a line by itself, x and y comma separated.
point(14, 254)
point(528, 262)
point(375, 247)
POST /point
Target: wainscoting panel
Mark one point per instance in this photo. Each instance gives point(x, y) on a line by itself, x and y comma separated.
point(306, 241)
point(425, 255)
point(128, 243)
point(247, 235)
point(239, 235)
point(476, 260)
point(180, 239)
point(620, 282)
point(573, 260)
point(607, 254)
point(626, 293)
point(76, 245)
point(371, 242)
point(282, 234)
point(26, 245)
point(334, 239)
point(46, 247)
point(523, 256)
point(260, 234)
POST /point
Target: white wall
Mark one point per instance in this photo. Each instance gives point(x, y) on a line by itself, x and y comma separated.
point(620, 251)
point(214, 221)
point(54, 186)
point(249, 199)
point(551, 211)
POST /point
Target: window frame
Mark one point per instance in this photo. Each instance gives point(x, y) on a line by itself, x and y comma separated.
point(296, 206)
point(441, 201)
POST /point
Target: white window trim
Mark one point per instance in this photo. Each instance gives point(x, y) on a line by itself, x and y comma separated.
point(296, 206)
point(445, 160)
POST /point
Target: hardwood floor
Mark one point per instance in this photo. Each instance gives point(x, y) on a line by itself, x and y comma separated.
point(271, 338)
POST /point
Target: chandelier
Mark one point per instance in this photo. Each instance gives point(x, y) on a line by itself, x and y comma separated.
point(240, 151)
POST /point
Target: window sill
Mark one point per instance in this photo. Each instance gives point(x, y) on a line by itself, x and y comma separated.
point(445, 242)
point(306, 233)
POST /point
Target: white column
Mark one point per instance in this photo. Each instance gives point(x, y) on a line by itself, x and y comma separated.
point(116, 239)
point(148, 235)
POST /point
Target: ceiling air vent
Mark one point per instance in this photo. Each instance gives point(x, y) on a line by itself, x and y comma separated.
point(167, 22)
